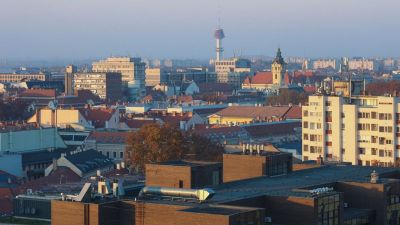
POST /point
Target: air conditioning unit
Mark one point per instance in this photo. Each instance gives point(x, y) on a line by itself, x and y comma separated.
point(345, 205)
point(268, 219)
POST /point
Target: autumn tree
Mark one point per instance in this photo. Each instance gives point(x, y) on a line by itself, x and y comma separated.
point(159, 143)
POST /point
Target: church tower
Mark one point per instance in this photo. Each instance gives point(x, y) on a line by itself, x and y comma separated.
point(278, 69)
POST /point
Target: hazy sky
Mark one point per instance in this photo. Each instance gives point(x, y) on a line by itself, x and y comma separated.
point(79, 29)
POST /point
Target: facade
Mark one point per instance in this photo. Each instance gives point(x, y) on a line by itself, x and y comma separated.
point(362, 65)
point(110, 144)
point(232, 71)
point(132, 71)
point(108, 86)
point(184, 174)
point(15, 78)
point(155, 76)
point(361, 130)
point(68, 79)
point(321, 64)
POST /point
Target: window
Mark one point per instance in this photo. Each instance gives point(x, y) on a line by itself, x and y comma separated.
point(121, 155)
point(180, 183)
point(373, 151)
point(373, 115)
point(305, 113)
point(328, 103)
point(381, 153)
point(305, 124)
point(114, 155)
point(361, 151)
point(305, 137)
point(305, 148)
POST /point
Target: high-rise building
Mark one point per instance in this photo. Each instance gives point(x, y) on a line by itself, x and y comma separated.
point(362, 64)
point(132, 71)
point(108, 86)
point(362, 130)
point(70, 70)
point(155, 76)
point(232, 71)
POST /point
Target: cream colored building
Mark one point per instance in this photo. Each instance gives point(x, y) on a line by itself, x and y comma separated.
point(155, 76)
point(325, 64)
point(362, 130)
point(131, 69)
point(15, 78)
point(362, 64)
point(106, 85)
point(232, 71)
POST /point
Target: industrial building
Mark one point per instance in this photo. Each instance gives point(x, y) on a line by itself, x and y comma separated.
point(319, 194)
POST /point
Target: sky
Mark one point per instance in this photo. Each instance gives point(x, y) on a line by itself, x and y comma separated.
point(82, 29)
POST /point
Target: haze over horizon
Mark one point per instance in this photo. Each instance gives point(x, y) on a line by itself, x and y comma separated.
point(76, 29)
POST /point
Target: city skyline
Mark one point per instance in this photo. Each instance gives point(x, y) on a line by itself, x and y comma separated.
point(86, 29)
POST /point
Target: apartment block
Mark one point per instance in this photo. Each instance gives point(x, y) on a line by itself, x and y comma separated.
point(14, 77)
point(108, 86)
point(361, 130)
point(232, 71)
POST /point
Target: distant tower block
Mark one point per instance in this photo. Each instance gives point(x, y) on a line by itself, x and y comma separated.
point(219, 35)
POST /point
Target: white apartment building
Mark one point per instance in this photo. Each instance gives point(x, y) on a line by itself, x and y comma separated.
point(325, 64)
point(232, 71)
point(362, 130)
point(362, 64)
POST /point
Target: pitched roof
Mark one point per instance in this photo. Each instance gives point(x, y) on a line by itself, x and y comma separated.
point(218, 131)
point(109, 137)
point(39, 93)
point(264, 77)
point(41, 156)
point(89, 160)
point(58, 176)
point(137, 124)
point(256, 112)
point(294, 112)
point(309, 89)
point(271, 129)
point(97, 116)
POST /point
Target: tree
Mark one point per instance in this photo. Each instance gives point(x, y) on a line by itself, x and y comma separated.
point(154, 143)
point(13, 110)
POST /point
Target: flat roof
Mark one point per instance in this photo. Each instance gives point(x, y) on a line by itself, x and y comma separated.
point(284, 185)
point(186, 163)
point(220, 209)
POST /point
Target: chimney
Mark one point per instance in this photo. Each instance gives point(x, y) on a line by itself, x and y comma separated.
point(374, 177)
point(55, 164)
point(320, 160)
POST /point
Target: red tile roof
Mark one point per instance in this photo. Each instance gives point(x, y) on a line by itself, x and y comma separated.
point(310, 89)
point(109, 137)
point(288, 79)
point(60, 176)
point(97, 116)
point(39, 93)
point(137, 124)
point(294, 113)
point(6, 200)
point(264, 77)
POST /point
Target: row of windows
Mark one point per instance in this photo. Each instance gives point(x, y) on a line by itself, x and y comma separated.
point(312, 149)
point(375, 151)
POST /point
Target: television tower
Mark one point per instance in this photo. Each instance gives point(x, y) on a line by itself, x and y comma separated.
point(219, 35)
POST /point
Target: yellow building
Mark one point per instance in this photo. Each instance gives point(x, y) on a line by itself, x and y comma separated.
point(361, 130)
point(278, 69)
